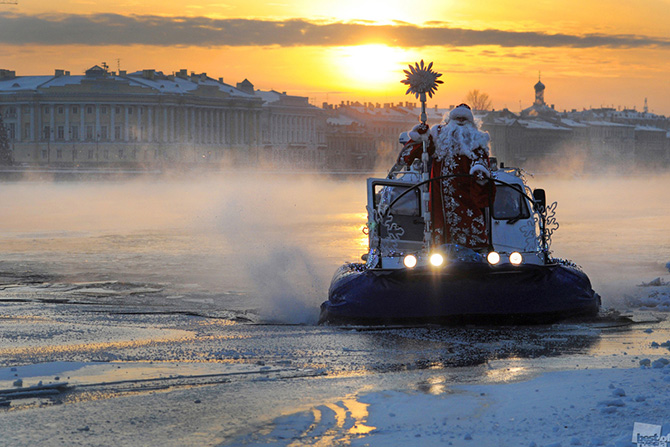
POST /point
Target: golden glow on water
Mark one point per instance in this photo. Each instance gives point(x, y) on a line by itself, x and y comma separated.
point(363, 240)
point(337, 423)
point(359, 412)
point(90, 347)
point(167, 336)
point(509, 374)
point(436, 385)
point(217, 322)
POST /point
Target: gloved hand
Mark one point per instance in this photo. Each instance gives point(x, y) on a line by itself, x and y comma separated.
point(420, 132)
point(480, 172)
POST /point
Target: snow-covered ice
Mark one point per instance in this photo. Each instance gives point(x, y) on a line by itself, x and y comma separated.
point(582, 407)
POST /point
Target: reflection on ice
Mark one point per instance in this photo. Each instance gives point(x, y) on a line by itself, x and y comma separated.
point(337, 423)
point(434, 385)
point(102, 373)
point(509, 374)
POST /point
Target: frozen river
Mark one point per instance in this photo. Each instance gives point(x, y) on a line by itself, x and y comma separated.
point(181, 311)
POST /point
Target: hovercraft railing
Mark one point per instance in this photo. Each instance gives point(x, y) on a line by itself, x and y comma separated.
point(538, 208)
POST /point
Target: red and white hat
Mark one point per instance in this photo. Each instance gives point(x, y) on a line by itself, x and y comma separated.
point(462, 112)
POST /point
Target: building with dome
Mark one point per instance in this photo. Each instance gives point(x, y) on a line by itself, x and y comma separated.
point(539, 107)
point(540, 137)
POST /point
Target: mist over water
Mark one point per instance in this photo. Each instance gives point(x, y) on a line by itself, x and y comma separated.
point(269, 244)
point(615, 226)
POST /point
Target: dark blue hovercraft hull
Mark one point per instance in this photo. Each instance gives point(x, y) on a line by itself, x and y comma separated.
point(467, 292)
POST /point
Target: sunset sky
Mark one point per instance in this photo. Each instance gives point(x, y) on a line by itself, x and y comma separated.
point(590, 53)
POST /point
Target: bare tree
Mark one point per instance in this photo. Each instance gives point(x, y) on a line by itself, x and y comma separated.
point(478, 100)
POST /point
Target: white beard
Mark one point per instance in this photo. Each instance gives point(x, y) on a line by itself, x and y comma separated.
point(453, 139)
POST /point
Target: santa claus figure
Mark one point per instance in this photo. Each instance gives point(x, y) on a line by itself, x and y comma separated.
point(457, 148)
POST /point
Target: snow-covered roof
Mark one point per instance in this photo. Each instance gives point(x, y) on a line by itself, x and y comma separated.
point(341, 120)
point(159, 82)
point(268, 96)
point(388, 112)
point(541, 124)
point(62, 81)
point(539, 109)
point(649, 128)
point(180, 85)
point(176, 86)
point(606, 124)
point(572, 123)
point(23, 83)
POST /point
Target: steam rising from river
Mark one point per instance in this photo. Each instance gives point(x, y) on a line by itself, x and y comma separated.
point(274, 241)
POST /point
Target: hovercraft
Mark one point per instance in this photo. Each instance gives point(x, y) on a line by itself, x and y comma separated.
point(405, 280)
point(407, 277)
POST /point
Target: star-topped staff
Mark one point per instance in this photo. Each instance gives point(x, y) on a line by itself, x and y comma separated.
point(421, 80)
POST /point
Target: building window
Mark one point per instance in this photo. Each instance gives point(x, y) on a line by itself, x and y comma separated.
point(117, 110)
point(130, 110)
point(60, 110)
point(46, 132)
point(46, 110)
point(60, 133)
point(89, 110)
point(117, 132)
point(74, 132)
point(75, 110)
point(89, 132)
point(11, 130)
point(103, 132)
point(26, 130)
point(103, 110)
point(59, 153)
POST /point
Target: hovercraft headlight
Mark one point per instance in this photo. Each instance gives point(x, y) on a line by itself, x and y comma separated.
point(515, 258)
point(436, 259)
point(409, 261)
point(493, 258)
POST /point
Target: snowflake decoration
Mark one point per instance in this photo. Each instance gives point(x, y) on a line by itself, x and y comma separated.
point(550, 222)
point(530, 232)
point(421, 79)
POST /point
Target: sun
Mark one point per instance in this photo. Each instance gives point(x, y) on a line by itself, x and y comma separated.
point(372, 66)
